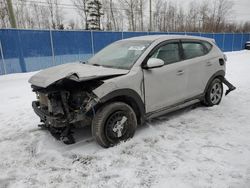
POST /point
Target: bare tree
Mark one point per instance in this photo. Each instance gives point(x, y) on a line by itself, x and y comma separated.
point(245, 27)
point(110, 16)
point(130, 8)
point(72, 24)
point(172, 16)
point(202, 16)
point(111, 5)
point(166, 16)
point(180, 20)
point(140, 11)
point(159, 15)
point(56, 14)
point(52, 13)
point(82, 10)
point(223, 9)
point(4, 22)
point(40, 15)
point(192, 18)
point(24, 17)
point(114, 14)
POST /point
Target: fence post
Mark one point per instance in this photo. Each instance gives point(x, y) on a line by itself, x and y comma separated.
point(1, 50)
point(52, 47)
point(241, 41)
point(122, 34)
point(223, 45)
point(233, 43)
point(20, 53)
point(92, 42)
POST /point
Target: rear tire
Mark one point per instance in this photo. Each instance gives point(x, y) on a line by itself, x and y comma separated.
point(113, 123)
point(214, 93)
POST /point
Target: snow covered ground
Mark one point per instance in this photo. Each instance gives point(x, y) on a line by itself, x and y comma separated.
point(201, 147)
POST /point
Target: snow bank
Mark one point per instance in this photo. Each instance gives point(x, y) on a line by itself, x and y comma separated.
point(201, 147)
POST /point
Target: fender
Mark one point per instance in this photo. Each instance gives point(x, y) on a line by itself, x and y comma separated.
point(220, 73)
point(133, 97)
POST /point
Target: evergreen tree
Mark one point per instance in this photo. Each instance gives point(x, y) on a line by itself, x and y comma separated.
point(94, 9)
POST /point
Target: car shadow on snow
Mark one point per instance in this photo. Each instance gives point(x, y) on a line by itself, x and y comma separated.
point(173, 115)
point(85, 141)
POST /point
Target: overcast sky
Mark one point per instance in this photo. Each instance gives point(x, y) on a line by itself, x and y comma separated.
point(241, 9)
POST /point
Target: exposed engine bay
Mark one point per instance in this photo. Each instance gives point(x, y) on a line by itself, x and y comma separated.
point(65, 105)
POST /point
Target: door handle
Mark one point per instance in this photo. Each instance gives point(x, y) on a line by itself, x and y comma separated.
point(180, 72)
point(209, 64)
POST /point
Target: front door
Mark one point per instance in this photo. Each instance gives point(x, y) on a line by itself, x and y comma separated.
point(166, 85)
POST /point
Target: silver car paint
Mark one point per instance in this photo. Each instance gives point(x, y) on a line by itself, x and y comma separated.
point(133, 80)
point(200, 70)
point(163, 87)
point(81, 71)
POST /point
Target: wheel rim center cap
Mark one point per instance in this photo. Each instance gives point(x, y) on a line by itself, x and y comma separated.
point(118, 127)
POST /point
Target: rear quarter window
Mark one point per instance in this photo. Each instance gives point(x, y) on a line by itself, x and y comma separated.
point(207, 45)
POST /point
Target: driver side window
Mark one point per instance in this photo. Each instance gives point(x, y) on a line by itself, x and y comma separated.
point(169, 53)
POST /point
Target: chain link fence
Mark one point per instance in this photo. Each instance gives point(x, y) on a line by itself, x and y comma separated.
point(32, 50)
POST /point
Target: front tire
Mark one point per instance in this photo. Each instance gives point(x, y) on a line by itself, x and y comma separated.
point(214, 93)
point(113, 123)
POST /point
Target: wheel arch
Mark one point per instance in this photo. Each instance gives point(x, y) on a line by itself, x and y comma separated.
point(127, 96)
point(219, 74)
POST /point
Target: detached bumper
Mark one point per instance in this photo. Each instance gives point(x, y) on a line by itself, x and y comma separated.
point(230, 86)
point(47, 118)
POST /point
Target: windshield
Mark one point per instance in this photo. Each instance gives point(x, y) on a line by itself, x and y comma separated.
point(122, 54)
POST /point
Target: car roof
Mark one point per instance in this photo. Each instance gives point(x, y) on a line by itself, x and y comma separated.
point(168, 37)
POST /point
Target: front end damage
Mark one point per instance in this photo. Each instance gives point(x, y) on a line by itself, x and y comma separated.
point(65, 97)
point(64, 105)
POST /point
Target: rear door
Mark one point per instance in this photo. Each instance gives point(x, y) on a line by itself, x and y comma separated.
point(166, 85)
point(198, 65)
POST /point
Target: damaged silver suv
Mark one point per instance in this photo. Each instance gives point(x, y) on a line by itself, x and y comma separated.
point(128, 82)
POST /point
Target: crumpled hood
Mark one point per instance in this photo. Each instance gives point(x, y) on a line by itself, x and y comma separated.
point(82, 72)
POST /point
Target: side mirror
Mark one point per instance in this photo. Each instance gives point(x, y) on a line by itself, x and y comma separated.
point(154, 63)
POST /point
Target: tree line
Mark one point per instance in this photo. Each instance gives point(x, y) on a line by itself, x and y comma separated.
point(124, 15)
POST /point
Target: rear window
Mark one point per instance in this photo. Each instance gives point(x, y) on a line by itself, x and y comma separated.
point(195, 49)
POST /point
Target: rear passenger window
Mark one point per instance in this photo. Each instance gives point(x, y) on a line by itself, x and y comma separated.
point(193, 49)
point(169, 53)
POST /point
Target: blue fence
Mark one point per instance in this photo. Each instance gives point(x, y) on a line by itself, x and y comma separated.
point(31, 50)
